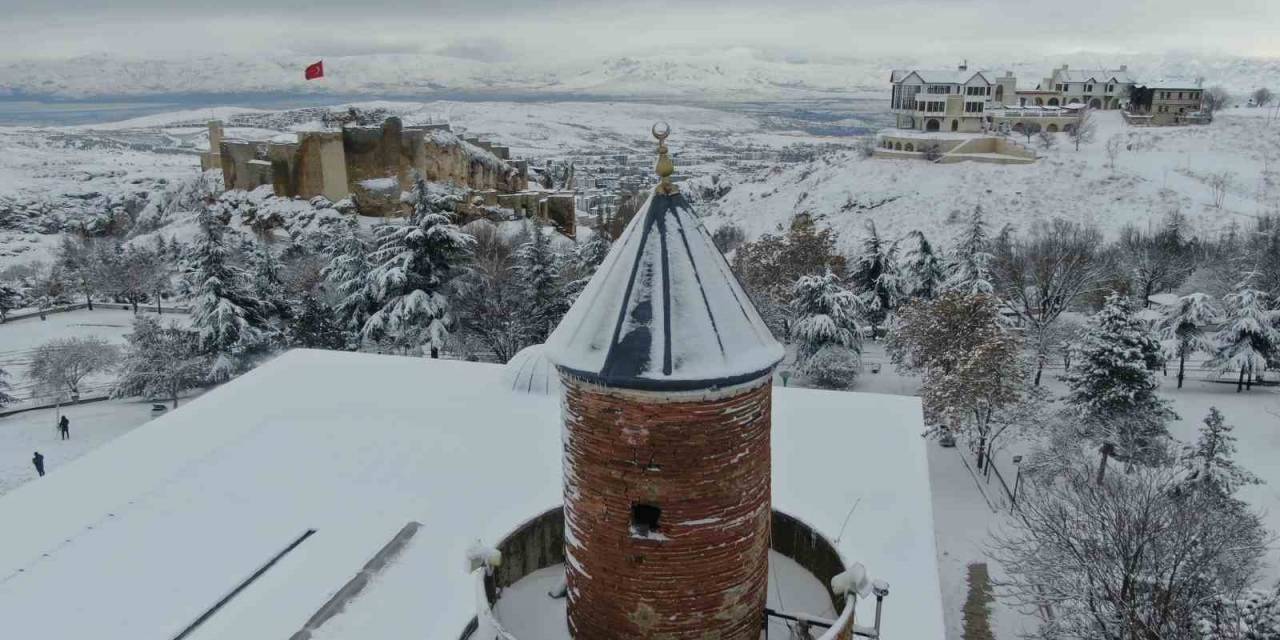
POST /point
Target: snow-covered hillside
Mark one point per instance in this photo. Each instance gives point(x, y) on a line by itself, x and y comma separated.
point(732, 74)
point(1158, 170)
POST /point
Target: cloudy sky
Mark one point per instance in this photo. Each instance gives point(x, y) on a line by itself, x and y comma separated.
point(499, 30)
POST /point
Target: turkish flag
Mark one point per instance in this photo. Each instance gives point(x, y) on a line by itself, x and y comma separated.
point(315, 71)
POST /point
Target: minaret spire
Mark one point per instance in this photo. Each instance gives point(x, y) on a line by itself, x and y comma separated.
point(664, 167)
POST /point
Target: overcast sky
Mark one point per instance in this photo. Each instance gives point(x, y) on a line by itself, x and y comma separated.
point(498, 30)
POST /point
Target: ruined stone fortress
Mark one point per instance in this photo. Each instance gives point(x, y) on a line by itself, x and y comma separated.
point(372, 165)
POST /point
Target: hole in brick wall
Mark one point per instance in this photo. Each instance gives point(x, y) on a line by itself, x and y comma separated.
point(644, 520)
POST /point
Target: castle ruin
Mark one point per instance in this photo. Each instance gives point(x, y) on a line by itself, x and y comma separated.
point(373, 165)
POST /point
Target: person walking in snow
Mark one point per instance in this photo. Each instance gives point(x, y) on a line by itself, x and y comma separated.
point(38, 461)
point(64, 427)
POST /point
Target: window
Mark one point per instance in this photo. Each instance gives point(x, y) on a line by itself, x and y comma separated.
point(1060, 87)
point(644, 519)
point(973, 107)
point(1111, 88)
point(939, 88)
point(1088, 88)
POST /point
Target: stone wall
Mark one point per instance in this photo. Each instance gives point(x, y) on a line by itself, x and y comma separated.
point(702, 460)
point(338, 164)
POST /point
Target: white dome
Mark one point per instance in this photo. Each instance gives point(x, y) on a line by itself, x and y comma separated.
point(529, 371)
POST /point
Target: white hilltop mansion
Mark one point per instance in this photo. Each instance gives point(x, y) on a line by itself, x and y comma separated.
point(973, 101)
point(954, 115)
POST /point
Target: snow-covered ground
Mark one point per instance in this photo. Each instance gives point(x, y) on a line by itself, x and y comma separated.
point(93, 425)
point(1159, 170)
point(19, 338)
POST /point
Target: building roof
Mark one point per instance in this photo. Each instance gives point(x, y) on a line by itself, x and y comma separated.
point(142, 536)
point(1176, 83)
point(1097, 75)
point(943, 76)
point(664, 311)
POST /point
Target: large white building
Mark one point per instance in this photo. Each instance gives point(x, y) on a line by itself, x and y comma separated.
point(1095, 88)
point(947, 100)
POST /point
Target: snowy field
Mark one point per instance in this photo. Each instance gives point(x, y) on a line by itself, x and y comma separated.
point(19, 338)
point(1160, 169)
point(93, 424)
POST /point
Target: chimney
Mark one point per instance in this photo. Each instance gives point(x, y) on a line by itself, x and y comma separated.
point(1124, 67)
point(964, 66)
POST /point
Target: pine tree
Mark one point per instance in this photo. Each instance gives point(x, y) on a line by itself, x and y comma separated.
point(348, 273)
point(5, 398)
point(224, 314)
point(10, 299)
point(1248, 340)
point(1210, 462)
point(160, 362)
point(876, 276)
point(1113, 388)
point(828, 316)
point(314, 327)
point(539, 275)
point(926, 273)
point(413, 264)
point(1183, 326)
point(970, 268)
point(268, 282)
point(582, 264)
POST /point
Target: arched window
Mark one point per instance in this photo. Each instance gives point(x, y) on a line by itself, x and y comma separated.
point(909, 147)
point(955, 124)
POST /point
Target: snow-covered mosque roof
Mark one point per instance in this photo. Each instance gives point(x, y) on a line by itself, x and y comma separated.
point(531, 371)
point(664, 311)
point(141, 537)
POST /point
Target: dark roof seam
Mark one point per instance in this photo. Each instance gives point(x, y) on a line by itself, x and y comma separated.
point(666, 291)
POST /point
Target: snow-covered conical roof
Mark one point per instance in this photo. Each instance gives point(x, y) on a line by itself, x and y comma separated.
point(529, 371)
point(664, 311)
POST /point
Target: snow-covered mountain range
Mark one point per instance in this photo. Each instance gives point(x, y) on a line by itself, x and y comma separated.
point(733, 75)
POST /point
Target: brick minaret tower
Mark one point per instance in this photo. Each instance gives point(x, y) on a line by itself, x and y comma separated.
point(667, 370)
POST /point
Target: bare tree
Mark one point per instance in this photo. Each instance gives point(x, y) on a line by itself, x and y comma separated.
point(1114, 145)
point(1216, 97)
point(1085, 130)
point(63, 364)
point(1030, 129)
point(1262, 97)
point(1046, 140)
point(1219, 184)
point(974, 375)
point(1135, 556)
point(1040, 276)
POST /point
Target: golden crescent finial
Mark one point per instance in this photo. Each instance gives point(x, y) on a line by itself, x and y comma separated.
point(664, 167)
point(661, 130)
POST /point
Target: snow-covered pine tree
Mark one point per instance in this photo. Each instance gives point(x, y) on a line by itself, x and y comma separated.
point(1113, 386)
point(876, 276)
point(268, 282)
point(348, 273)
point(10, 299)
point(5, 398)
point(1248, 339)
point(314, 327)
point(1210, 462)
point(160, 362)
point(970, 267)
point(925, 271)
point(223, 312)
point(1255, 615)
point(413, 264)
point(539, 271)
point(1183, 328)
point(828, 317)
point(582, 263)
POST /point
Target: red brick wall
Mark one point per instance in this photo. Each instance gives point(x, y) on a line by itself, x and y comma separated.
point(706, 464)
